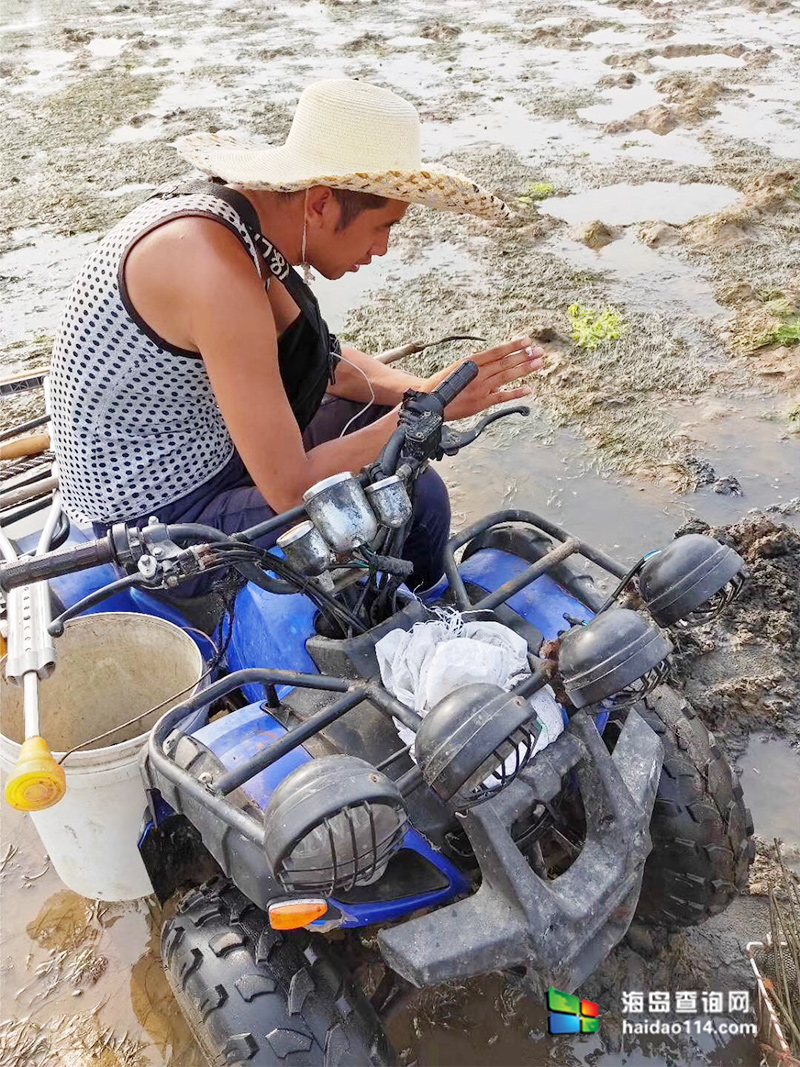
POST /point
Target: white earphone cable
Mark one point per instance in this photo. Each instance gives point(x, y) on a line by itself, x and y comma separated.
point(368, 404)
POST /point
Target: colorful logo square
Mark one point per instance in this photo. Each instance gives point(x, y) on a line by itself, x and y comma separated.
point(571, 1015)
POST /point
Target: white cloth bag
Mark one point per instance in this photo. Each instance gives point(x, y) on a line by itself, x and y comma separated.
point(423, 665)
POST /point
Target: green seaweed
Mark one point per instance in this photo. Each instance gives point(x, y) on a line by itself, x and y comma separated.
point(591, 328)
point(536, 191)
point(788, 333)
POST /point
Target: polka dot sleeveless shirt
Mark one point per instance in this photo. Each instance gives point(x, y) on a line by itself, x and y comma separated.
point(135, 423)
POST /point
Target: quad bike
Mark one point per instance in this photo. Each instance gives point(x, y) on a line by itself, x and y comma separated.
point(333, 849)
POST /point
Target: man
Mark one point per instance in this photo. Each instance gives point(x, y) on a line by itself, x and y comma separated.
point(192, 361)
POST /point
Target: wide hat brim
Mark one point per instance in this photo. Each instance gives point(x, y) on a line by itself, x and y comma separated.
point(239, 161)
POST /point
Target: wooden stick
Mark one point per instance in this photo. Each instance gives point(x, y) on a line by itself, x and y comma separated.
point(28, 492)
point(25, 446)
point(391, 355)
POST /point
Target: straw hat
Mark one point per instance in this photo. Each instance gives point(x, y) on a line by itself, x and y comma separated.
point(348, 135)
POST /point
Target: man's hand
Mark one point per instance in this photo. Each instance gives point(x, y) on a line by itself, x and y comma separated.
point(496, 368)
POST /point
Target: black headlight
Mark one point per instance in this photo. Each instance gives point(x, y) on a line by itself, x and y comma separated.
point(474, 742)
point(332, 824)
point(691, 581)
point(619, 655)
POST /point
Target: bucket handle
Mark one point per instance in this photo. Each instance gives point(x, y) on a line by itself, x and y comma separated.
point(144, 714)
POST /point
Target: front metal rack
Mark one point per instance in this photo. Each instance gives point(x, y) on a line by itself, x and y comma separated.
point(163, 738)
point(569, 545)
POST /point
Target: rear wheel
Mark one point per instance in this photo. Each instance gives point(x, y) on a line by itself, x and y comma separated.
point(254, 996)
point(701, 830)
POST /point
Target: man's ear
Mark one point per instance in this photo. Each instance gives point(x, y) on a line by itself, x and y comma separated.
point(321, 206)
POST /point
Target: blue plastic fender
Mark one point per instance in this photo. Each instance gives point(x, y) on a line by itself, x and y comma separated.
point(240, 735)
point(271, 630)
point(543, 603)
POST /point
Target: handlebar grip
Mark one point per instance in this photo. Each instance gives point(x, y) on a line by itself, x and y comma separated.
point(456, 382)
point(54, 564)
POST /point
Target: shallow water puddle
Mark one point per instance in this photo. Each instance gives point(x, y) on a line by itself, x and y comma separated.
point(35, 276)
point(338, 297)
point(770, 777)
point(623, 203)
point(506, 123)
point(744, 439)
point(622, 103)
point(777, 129)
point(712, 61)
point(128, 134)
point(106, 47)
point(536, 139)
point(528, 463)
point(45, 70)
point(636, 39)
point(677, 146)
point(125, 190)
point(641, 277)
point(81, 980)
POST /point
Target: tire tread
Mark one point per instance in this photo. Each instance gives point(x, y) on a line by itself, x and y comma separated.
point(700, 828)
point(254, 996)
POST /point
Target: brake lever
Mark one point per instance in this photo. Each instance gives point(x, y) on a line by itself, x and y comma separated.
point(452, 441)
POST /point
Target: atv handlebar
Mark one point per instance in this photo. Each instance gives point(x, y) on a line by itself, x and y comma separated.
point(456, 383)
point(417, 439)
point(54, 564)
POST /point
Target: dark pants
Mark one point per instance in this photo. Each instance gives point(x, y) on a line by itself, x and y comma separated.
point(230, 501)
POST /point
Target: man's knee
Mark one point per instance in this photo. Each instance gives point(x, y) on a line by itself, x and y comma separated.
point(432, 504)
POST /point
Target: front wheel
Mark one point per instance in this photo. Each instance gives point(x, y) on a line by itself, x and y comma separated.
point(254, 996)
point(701, 830)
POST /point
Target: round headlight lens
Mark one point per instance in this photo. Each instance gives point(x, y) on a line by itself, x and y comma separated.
point(332, 824)
point(474, 742)
point(613, 656)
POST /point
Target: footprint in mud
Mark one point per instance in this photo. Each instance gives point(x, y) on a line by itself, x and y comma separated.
point(67, 1041)
point(68, 926)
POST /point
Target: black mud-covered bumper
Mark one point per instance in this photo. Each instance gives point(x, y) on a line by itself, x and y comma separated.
point(558, 930)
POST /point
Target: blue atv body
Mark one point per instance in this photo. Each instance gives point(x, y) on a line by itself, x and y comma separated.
point(461, 896)
point(274, 631)
point(586, 910)
point(291, 753)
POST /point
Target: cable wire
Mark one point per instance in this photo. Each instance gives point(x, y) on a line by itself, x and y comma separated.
point(368, 404)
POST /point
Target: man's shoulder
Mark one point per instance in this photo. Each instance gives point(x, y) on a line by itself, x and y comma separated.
point(191, 243)
point(186, 268)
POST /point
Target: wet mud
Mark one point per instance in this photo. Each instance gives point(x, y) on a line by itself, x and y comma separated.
point(651, 157)
point(742, 671)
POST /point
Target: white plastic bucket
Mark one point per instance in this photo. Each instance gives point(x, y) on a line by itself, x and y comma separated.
point(110, 667)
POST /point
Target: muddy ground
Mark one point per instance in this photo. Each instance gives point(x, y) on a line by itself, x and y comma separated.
point(650, 151)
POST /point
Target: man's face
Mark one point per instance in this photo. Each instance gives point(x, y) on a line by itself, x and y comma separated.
point(336, 252)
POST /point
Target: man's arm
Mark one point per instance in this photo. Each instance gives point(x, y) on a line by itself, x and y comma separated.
point(230, 321)
point(194, 283)
point(388, 383)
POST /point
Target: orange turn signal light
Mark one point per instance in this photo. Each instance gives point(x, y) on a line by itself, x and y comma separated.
point(292, 914)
